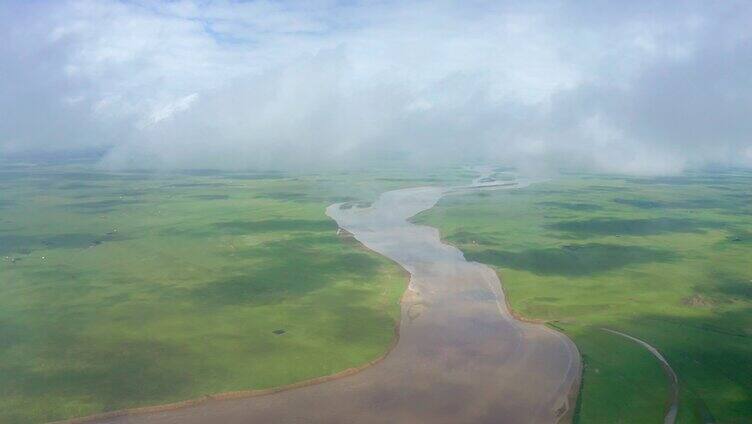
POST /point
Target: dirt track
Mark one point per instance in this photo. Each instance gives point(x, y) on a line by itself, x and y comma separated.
point(461, 357)
point(673, 381)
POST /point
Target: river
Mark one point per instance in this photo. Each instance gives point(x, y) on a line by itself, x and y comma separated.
point(461, 356)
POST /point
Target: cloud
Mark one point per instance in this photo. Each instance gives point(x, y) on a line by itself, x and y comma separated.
point(637, 87)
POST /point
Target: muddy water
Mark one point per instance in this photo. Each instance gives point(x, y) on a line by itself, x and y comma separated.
point(461, 357)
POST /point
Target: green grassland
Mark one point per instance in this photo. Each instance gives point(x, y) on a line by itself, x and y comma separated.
point(668, 260)
point(137, 288)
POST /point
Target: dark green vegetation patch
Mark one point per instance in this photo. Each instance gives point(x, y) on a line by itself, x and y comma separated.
point(631, 227)
point(571, 206)
point(572, 259)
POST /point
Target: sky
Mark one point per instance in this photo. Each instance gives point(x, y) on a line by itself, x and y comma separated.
point(638, 87)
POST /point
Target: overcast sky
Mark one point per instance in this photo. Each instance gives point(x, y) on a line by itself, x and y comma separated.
point(637, 87)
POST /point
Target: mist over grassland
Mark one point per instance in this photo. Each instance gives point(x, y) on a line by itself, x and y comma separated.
point(639, 87)
point(165, 168)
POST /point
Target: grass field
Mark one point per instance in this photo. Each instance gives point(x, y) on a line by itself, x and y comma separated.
point(668, 260)
point(137, 288)
point(128, 289)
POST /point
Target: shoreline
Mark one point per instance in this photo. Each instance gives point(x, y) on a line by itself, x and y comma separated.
point(573, 396)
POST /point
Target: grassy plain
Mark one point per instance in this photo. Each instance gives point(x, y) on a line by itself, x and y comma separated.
point(135, 288)
point(668, 260)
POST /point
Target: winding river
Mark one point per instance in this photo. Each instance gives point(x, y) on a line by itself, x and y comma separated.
point(461, 356)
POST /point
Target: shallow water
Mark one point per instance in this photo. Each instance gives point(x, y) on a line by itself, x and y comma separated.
point(461, 357)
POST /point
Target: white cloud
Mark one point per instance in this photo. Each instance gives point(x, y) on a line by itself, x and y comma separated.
point(637, 87)
point(166, 111)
